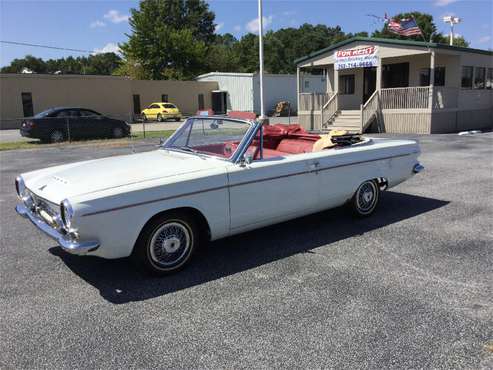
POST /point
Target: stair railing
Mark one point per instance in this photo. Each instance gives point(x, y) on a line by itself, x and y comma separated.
point(329, 110)
point(369, 110)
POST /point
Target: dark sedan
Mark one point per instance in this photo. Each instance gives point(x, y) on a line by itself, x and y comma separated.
point(59, 124)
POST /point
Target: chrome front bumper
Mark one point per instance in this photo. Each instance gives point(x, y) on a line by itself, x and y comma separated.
point(67, 244)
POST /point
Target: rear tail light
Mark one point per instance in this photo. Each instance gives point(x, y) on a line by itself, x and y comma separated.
point(165, 111)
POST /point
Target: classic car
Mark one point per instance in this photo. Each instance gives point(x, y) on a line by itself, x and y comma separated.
point(214, 177)
point(59, 124)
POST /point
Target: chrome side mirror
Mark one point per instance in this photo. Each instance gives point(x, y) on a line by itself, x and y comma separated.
point(246, 159)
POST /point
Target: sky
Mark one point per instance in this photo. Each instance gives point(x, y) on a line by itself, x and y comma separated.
point(100, 25)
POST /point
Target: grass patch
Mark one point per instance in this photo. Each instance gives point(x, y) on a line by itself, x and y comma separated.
point(36, 144)
point(152, 134)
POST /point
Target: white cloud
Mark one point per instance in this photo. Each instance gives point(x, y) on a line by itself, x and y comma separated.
point(219, 26)
point(253, 25)
point(484, 39)
point(444, 2)
point(288, 13)
point(114, 16)
point(237, 28)
point(97, 24)
point(110, 47)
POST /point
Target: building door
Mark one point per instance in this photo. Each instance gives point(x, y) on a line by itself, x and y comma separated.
point(219, 102)
point(369, 82)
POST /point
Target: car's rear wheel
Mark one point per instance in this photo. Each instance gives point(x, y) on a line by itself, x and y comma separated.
point(57, 136)
point(159, 118)
point(365, 199)
point(117, 132)
point(167, 243)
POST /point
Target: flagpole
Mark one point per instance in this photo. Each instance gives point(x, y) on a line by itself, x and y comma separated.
point(261, 57)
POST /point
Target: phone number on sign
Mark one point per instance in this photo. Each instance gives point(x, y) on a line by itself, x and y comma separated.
point(355, 65)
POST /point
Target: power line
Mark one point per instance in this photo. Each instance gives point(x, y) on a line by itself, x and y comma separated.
point(47, 47)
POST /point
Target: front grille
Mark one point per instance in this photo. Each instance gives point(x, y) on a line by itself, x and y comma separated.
point(51, 208)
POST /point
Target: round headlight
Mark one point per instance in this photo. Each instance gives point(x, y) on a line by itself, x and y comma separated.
point(20, 187)
point(66, 213)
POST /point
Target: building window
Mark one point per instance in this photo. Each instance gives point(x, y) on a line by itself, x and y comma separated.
point(346, 84)
point(489, 79)
point(479, 77)
point(164, 98)
point(424, 76)
point(137, 109)
point(395, 75)
point(201, 102)
point(307, 84)
point(466, 77)
point(27, 104)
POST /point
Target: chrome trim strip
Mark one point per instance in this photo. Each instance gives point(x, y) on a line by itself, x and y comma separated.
point(239, 184)
point(67, 244)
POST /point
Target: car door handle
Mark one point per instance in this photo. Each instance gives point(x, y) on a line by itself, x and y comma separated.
point(314, 165)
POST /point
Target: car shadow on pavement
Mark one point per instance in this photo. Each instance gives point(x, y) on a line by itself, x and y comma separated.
point(118, 281)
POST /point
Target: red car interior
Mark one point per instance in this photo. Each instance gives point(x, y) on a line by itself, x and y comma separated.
point(279, 140)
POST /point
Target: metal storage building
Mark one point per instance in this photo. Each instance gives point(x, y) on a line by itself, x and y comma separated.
point(242, 90)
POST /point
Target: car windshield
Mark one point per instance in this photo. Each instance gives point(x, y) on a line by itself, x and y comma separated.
point(214, 136)
point(45, 113)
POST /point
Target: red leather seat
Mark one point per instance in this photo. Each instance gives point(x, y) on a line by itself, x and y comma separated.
point(295, 146)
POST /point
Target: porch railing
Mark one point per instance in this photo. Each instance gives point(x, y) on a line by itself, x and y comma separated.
point(405, 97)
point(313, 101)
point(329, 109)
point(370, 110)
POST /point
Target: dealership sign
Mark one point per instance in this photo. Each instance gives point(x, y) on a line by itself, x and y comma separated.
point(356, 58)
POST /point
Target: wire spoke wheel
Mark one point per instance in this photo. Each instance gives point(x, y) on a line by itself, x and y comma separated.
point(170, 244)
point(366, 198)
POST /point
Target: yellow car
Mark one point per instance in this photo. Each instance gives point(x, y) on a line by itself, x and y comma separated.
point(161, 111)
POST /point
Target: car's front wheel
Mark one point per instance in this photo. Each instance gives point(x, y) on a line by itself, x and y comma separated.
point(167, 243)
point(365, 199)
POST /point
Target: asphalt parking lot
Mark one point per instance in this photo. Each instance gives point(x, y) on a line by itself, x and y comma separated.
point(410, 287)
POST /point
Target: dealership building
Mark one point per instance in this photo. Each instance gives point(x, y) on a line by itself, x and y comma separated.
point(400, 86)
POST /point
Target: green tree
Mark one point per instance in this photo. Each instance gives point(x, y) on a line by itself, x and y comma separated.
point(102, 64)
point(30, 62)
point(99, 64)
point(169, 38)
point(221, 55)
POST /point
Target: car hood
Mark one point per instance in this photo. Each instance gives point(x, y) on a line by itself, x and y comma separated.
point(57, 183)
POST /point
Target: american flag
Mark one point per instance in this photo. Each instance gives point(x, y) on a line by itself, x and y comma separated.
point(404, 27)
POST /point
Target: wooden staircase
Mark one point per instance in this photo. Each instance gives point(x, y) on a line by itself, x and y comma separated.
point(349, 120)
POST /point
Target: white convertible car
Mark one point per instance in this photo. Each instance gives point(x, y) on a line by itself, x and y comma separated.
point(214, 177)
